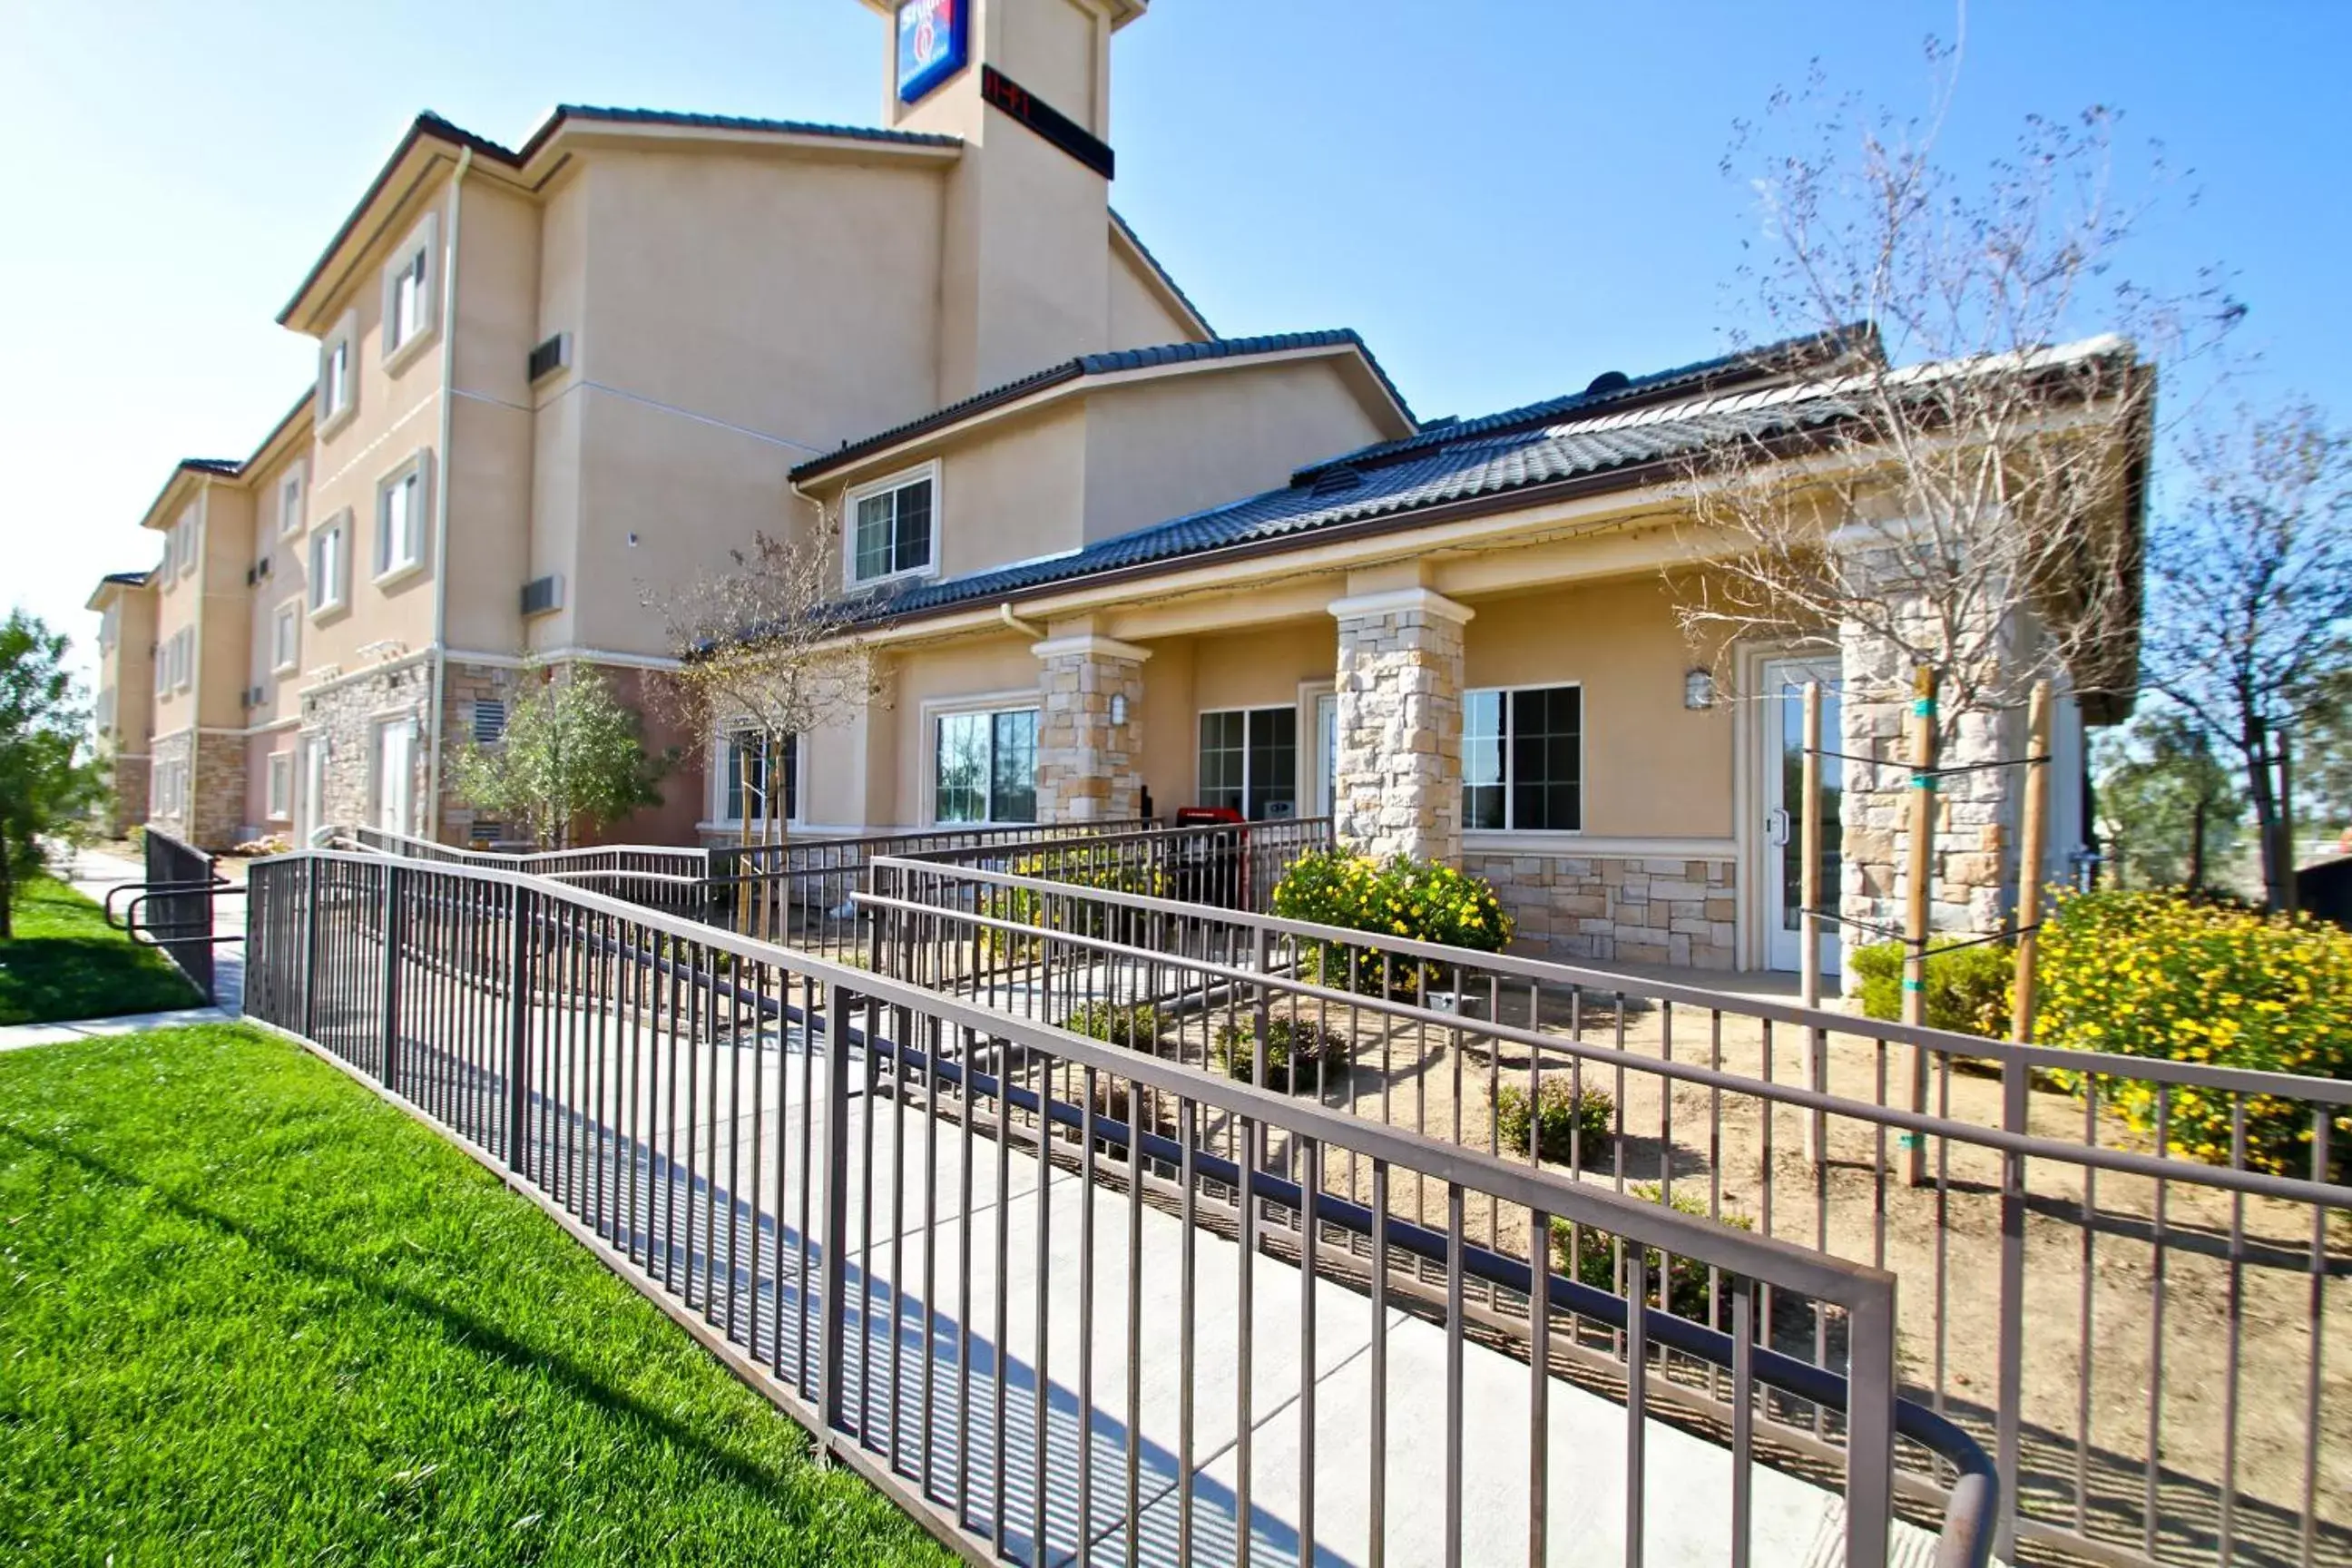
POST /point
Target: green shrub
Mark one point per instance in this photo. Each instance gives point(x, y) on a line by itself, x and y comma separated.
point(2157, 975)
point(1968, 988)
point(1417, 900)
point(1133, 1026)
point(1288, 1041)
point(1595, 1261)
point(1564, 1111)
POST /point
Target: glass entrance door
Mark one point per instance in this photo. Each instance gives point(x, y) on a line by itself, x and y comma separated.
point(1784, 762)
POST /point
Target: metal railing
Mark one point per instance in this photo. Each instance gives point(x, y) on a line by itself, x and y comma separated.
point(676, 879)
point(1222, 865)
point(798, 892)
point(2153, 1343)
point(1070, 1301)
point(173, 908)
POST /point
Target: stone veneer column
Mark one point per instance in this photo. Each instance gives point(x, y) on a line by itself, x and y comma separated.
point(1397, 788)
point(1975, 869)
point(1089, 769)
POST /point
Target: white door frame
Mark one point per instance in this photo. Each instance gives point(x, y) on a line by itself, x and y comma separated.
point(1777, 946)
point(309, 785)
point(380, 800)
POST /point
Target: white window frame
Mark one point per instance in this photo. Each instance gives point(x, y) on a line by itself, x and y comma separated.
point(104, 714)
point(107, 627)
point(279, 787)
point(333, 415)
point(331, 586)
point(418, 257)
point(285, 637)
point(183, 645)
point(1297, 752)
point(391, 566)
point(991, 709)
point(182, 546)
point(1583, 750)
point(722, 776)
point(293, 490)
point(923, 473)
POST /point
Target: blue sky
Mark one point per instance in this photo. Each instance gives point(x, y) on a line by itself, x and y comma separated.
point(1504, 196)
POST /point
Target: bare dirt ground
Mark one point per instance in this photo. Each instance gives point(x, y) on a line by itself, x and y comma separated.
point(2173, 1397)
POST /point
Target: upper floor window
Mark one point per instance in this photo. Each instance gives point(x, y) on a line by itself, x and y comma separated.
point(1249, 761)
point(409, 288)
point(894, 527)
point(104, 712)
point(339, 391)
point(176, 661)
point(1523, 758)
point(985, 768)
point(400, 518)
point(285, 638)
point(106, 627)
point(180, 545)
point(289, 501)
point(329, 564)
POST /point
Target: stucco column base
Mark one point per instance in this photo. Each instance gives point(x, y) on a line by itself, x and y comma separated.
point(1397, 784)
point(1089, 767)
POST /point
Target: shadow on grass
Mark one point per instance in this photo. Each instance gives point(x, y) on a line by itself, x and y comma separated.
point(461, 1328)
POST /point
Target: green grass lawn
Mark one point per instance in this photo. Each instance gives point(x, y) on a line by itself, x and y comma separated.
point(67, 963)
point(250, 1314)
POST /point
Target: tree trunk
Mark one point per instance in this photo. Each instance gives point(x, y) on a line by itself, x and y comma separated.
point(2197, 846)
point(7, 892)
point(2254, 745)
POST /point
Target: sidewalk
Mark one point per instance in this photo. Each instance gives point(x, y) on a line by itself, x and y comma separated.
point(93, 874)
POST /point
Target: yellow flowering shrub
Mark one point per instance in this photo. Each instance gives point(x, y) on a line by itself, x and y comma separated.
point(1077, 869)
point(2157, 975)
point(1417, 900)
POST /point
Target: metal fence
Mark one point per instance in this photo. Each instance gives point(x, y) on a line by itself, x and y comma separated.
point(172, 908)
point(798, 892)
point(674, 878)
point(1221, 865)
point(1067, 1301)
point(2127, 1277)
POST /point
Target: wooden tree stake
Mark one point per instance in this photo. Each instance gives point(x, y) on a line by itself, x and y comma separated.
point(2029, 853)
point(1915, 911)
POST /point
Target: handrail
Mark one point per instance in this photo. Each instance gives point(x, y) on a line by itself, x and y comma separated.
point(1949, 1042)
point(1762, 1257)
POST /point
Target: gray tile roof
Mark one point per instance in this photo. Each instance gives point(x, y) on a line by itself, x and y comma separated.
point(1097, 364)
point(1592, 438)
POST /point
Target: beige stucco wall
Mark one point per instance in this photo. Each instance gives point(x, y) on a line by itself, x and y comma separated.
point(397, 415)
point(1015, 492)
point(1139, 318)
point(748, 312)
point(127, 669)
point(1652, 768)
point(489, 471)
point(1158, 449)
point(931, 678)
point(285, 582)
point(225, 627)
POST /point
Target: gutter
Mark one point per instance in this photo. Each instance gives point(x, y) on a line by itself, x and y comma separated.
point(441, 502)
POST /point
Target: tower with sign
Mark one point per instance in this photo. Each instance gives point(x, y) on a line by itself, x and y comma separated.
point(1026, 86)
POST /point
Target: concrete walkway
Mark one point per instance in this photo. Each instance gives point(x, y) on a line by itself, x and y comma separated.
point(692, 1161)
point(95, 873)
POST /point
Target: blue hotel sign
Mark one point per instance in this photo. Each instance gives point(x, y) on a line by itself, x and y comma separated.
point(934, 41)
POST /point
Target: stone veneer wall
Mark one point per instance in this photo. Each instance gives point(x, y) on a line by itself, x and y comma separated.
point(1610, 910)
point(463, 685)
point(1976, 813)
point(214, 817)
point(129, 807)
point(1089, 769)
point(345, 714)
point(1398, 784)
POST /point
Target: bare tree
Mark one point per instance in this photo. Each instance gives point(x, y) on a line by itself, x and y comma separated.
point(2250, 630)
point(1950, 462)
point(770, 651)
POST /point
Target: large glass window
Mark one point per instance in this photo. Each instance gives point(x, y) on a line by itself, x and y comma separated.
point(747, 759)
point(1249, 761)
point(986, 767)
point(892, 532)
point(1523, 758)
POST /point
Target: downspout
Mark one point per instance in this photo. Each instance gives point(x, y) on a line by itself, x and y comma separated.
point(441, 503)
point(1004, 611)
